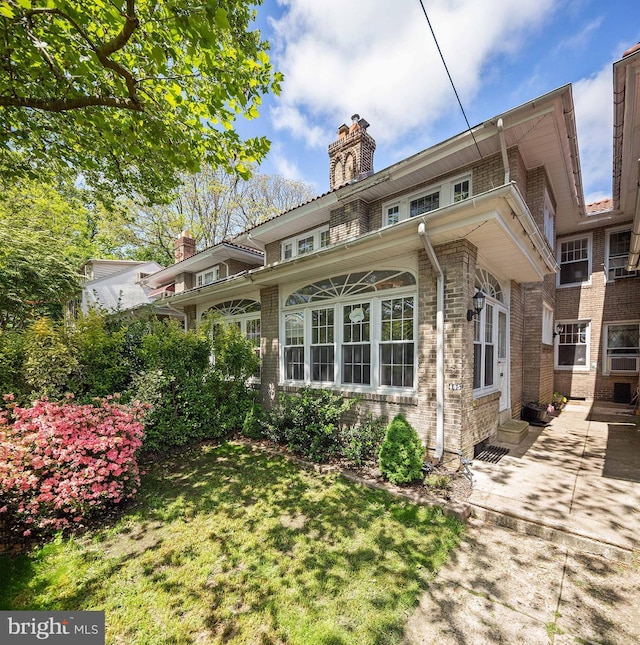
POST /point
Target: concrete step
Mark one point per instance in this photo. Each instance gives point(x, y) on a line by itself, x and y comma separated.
point(554, 532)
point(513, 431)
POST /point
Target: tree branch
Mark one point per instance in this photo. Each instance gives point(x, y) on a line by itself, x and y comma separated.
point(62, 105)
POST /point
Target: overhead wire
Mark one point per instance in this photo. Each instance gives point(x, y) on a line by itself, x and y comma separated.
point(449, 75)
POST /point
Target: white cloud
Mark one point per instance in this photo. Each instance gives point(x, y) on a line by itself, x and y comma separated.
point(594, 117)
point(378, 58)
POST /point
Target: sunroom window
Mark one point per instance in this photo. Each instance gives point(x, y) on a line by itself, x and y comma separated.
point(360, 337)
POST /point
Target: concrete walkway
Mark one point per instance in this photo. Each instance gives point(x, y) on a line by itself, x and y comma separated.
point(570, 572)
point(577, 479)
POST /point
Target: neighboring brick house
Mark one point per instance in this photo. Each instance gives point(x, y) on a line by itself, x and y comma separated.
point(597, 303)
point(368, 288)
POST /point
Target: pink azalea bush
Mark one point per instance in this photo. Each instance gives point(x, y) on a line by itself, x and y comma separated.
point(62, 463)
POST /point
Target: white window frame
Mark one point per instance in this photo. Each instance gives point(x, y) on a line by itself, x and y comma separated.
point(289, 248)
point(481, 342)
point(606, 363)
point(445, 189)
point(589, 238)
point(201, 277)
point(375, 342)
point(547, 324)
point(607, 255)
point(573, 368)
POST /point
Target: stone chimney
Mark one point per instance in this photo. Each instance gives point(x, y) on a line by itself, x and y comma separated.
point(184, 247)
point(351, 156)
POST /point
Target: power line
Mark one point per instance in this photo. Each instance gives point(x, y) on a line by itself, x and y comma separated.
point(450, 79)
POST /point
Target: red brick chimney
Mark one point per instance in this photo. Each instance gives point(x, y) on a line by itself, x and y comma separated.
point(184, 247)
point(351, 156)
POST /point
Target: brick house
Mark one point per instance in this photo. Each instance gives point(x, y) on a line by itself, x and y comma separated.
point(369, 288)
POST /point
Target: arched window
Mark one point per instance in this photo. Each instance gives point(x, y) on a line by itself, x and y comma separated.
point(489, 285)
point(245, 315)
point(356, 330)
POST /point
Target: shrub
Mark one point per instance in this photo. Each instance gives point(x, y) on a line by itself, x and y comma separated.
point(49, 359)
point(195, 382)
point(63, 463)
point(252, 426)
point(99, 348)
point(12, 356)
point(402, 453)
point(309, 422)
point(361, 442)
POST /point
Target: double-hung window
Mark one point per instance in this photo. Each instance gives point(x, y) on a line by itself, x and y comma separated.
point(574, 256)
point(305, 243)
point(322, 347)
point(207, 277)
point(294, 346)
point(355, 330)
point(618, 242)
point(622, 347)
point(356, 343)
point(396, 342)
point(572, 347)
point(413, 205)
point(484, 351)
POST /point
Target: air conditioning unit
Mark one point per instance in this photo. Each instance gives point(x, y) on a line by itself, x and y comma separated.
point(623, 363)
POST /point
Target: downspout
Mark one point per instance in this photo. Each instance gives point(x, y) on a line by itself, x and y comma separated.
point(503, 149)
point(422, 232)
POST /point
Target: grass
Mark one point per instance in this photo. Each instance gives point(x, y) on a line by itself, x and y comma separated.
point(229, 545)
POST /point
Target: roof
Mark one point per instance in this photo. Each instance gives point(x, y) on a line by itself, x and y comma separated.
point(543, 129)
point(204, 259)
point(600, 206)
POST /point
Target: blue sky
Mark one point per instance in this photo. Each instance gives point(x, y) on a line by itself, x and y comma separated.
point(377, 58)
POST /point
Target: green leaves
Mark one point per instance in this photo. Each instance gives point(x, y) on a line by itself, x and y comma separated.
point(129, 101)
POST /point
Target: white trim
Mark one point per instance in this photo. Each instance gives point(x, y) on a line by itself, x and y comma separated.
point(574, 368)
point(375, 300)
point(316, 237)
point(445, 190)
point(570, 238)
point(606, 370)
point(607, 243)
point(547, 324)
point(200, 277)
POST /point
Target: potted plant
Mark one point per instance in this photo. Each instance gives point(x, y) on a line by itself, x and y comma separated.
point(559, 401)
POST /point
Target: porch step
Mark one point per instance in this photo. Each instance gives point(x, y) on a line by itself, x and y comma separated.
point(513, 431)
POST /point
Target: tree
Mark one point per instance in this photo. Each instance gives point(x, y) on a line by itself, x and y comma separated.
point(129, 93)
point(212, 205)
point(35, 277)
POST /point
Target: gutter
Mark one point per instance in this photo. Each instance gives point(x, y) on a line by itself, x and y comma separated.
point(634, 245)
point(422, 232)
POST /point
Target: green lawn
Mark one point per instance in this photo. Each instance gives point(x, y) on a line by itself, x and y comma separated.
point(229, 545)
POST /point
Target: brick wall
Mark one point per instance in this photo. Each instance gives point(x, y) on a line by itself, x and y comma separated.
point(235, 266)
point(190, 313)
point(349, 221)
point(600, 303)
point(184, 281)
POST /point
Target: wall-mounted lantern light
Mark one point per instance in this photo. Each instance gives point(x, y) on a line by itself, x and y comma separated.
point(559, 329)
point(478, 305)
